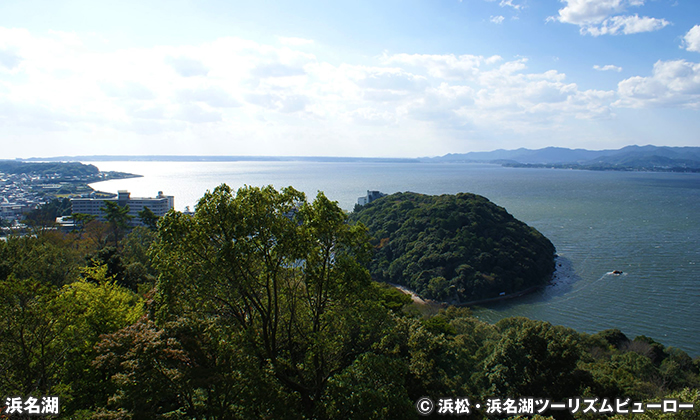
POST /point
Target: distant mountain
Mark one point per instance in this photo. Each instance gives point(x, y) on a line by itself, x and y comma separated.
point(546, 155)
point(647, 158)
point(628, 158)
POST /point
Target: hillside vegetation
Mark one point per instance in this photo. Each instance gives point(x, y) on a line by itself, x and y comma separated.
point(454, 248)
point(260, 306)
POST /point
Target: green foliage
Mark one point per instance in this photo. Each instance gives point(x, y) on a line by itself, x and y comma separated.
point(370, 388)
point(82, 219)
point(454, 248)
point(90, 309)
point(30, 349)
point(118, 218)
point(263, 308)
point(438, 324)
point(391, 297)
point(49, 335)
point(102, 305)
point(46, 214)
point(614, 337)
point(277, 273)
point(139, 272)
point(534, 358)
point(179, 371)
point(128, 266)
point(47, 258)
point(148, 218)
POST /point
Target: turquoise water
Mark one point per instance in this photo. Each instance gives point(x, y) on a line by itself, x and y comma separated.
point(644, 224)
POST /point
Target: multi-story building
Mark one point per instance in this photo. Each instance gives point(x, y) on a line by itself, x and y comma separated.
point(159, 205)
point(371, 196)
point(14, 212)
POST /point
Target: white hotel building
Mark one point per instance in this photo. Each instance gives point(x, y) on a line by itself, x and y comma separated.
point(159, 205)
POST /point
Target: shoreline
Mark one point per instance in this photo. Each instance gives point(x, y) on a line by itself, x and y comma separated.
point(420, 300)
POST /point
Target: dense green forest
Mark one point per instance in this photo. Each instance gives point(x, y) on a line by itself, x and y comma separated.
point(454, 248)
point(261, 305)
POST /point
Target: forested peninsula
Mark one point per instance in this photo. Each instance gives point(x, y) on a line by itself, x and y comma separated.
point(454, 248)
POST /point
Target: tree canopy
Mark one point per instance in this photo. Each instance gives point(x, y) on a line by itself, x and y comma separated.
point(454, 248)
point(260, 305)
point(118, 218)
point(278, 275)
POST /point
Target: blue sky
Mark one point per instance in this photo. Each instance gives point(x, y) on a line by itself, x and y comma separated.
point(361, 78)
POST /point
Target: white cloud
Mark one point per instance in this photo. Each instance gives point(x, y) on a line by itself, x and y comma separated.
point(372, 117)
point(239, 89)
point(9, 59)
point(156, 112)
point(294, 42)
point(672, 84)
point(508, 3)
point(214, 97)
point(607, 67)
point(197, 114)
point(237, 84)
point(625, 25)
point(285, 102)
point(391, 79)
point(514, 93)
point(447, 66)
point(276, 70)
point(691, 40)
point(582, 12)
point(128, 89)
point(497, 19)
point(603, 17)
point(187, 67)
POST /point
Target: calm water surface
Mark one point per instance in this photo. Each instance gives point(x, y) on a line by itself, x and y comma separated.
point(644, 224)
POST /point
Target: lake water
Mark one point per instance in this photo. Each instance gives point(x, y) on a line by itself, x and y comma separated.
point(644, 224)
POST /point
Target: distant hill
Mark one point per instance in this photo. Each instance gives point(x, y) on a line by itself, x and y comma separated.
point(630, 158)
point(454, 248)
point(47, 168)
point(197, 158)
point(539, 156)
point(651, 158)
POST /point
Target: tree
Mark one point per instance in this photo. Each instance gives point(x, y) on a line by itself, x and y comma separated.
point(96, 234)
point(48, 257)
point(118, 217)
point(281, 276)
point(370, 388)
point(89, 310)
point(534, 358)
point(30, 351)
point(82, 219)
point(45, 215)
point(148, 218)
point(135, 257)
point(49, 336)
point(454, 248)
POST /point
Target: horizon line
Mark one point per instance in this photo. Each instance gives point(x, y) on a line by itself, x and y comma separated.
point(183, 157)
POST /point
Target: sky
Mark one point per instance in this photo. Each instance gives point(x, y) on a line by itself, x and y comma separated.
point(406, 78)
